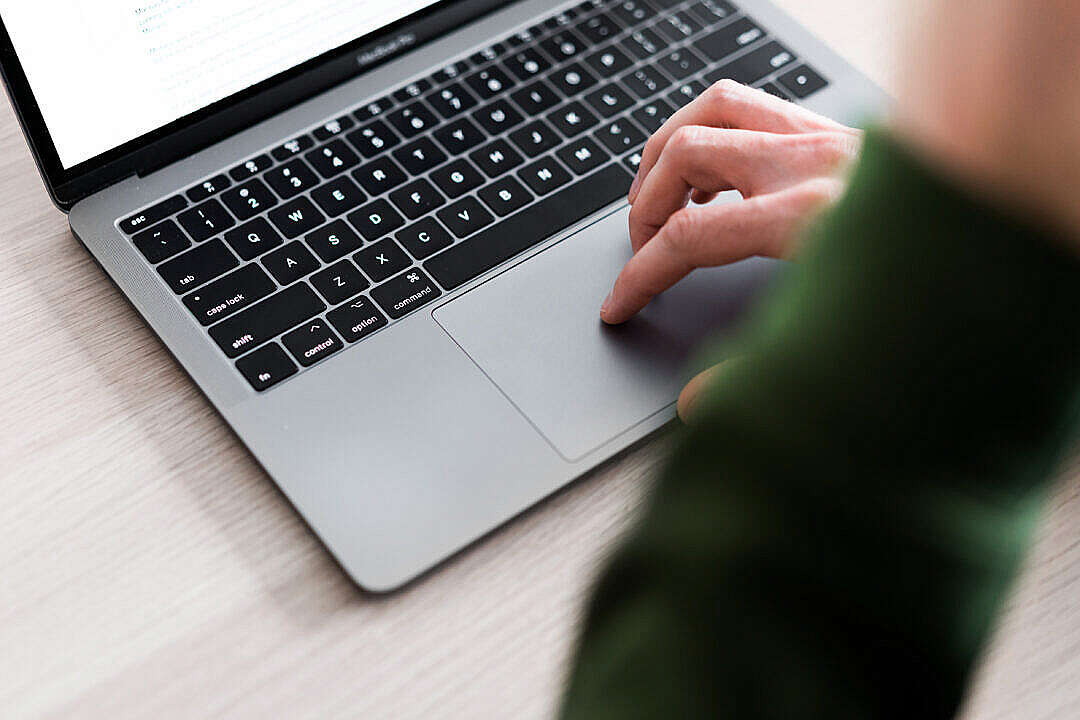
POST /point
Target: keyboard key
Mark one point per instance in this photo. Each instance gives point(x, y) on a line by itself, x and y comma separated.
point(405, 293)
point(451, 100)
point(803, 81)
point(610, 100)
point(332, 159)
point(754, 65)
point(583, 155)
point(608, 62)
point(373, 138)
point(291, 179)
point(505, 195)
point(417, 198)
point(253, 238)
point(535, 139)
point(464, 261)
point(564, 45)
point(653, 114)
point(620, 136)
point(161, 241)
point(645, 82)
point(424, 238)
point(488, 54)
point(535, 98)
point(292, 148)
point(544, 175)
point(248, 200)
point(644, 43)
point(291, 263)
point(334, 128)
point(572, 119)
point(465, 216)
point(266, 367)
point(681, 64)
point(197, 266)
point(207, 188)
point(373, 109)
point(333, 241)
point(203, 221)
point(459, 136)
point(686, 92)
point(356, 320)
point(412, 91)
point(457, 178)
point(338, 196)
point(496, 157)
point(273, 316)
point(339, 282)
point(489, 82)
point(380, 175)
point(572, 79)
point(419, 156)
point(152, 214)
point(229, 295)
point(251, 168)
point(381, 260)
point(712, 11)
point(599, 28)
point(497, 117)
point(678, 26)
point(376, 219)
point(296, 217)
point(527, 64)
point(450, 72)
point(718, 44)
point(311, 342)
point(632, 12)
point(774, 89)
point(632, 162)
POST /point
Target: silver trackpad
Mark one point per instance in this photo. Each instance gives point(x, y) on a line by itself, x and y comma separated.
point(535, 331)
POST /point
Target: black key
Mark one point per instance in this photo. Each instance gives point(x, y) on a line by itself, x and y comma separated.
point(451, 100)
point(380, 175)
point(632, 12)
point(457, 178)
point(197, 266)
point(610, 100)
point(374, 109)
point(412, 91)
point(681, 64)
point(645, 82)
point(417, 198)
point(803, 81)
point(489, 82)
point(653, 114)
point(333, 241)
point(599, 28)
point(572, 119)
point(334, 128)
point(583, 155)
point(719, 44)
point(526, 64)
point(572, 79)
point(679, 26)
point(754, 65)
point(382, 260)
point(424, 238)
point(505, 195)
point(620, 136)
point(561, 20)
point(251, 168)
point(488, 54)
point(332, 159)
point(544, 175)
point(229, 294)
point(296, 217)
point(203, 221)
point(496, 157)
point(405, 293)
point(608, 61)
point(339, 282)
point(632, 162)
point(535, 138)
point(248, 200)
point(254, 326)
point(497, 117)
point(465, 217)
point(311, 342)
point(161, 241)
point(450, 72)
point(152, 214)
point(207, 188)
point(293, 147)
point(291, 179)
point(686, 92)
point(459, 136)
point(291, 263)
point(373, 138)
point(338, 196)
point(644, 43)
point(376, 219)
point(774, 89)
point(419, 156)
point(266, 367)
point(464, 261)
point(712, 11)
point(564, 45)
point(535, 98)
point(356, 320)
point(253, 238)
point(523, 37)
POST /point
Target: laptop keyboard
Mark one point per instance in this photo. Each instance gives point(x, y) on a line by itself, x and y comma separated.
point(327, 238)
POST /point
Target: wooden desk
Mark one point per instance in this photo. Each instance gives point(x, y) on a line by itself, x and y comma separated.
point(149, 568)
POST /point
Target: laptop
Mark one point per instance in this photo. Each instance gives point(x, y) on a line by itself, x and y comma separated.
point(377, 234)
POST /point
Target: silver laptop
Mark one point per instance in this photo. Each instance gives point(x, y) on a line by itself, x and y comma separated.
point(377, 234)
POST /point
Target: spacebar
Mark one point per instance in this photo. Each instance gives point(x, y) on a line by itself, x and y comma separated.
point(485, 250)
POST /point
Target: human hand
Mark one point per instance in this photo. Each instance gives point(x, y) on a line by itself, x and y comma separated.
point(786, 161)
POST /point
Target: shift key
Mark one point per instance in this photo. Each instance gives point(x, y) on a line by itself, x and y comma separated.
point(229, 295)
point(268, 319)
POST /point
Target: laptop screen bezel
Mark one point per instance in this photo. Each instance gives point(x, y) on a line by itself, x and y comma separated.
point(226, 117)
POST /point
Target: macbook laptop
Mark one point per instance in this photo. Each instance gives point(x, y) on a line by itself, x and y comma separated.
point(377, 234)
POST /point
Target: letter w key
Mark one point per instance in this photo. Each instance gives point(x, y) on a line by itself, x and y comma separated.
point(296, 217)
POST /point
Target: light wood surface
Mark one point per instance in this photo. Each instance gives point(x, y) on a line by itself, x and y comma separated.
point(148, 568)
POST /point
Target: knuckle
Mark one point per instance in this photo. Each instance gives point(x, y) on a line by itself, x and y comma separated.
point(687, 141)
point(724, 91)
point(680, 231)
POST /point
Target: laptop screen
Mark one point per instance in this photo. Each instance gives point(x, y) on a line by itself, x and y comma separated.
point(105, 72)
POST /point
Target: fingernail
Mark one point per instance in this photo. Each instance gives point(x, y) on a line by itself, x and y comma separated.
point(605, 305)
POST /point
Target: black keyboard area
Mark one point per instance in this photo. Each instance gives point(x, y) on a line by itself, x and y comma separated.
point(319, 242)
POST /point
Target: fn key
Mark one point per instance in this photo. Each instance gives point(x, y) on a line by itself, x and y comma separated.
point(266, 366)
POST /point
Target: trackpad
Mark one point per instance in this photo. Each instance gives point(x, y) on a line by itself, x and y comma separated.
point(535, 331)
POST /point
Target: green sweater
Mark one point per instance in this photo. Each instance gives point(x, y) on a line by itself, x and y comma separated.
point(834, 534)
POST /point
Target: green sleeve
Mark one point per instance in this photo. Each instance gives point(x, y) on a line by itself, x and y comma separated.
point(834, 534)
